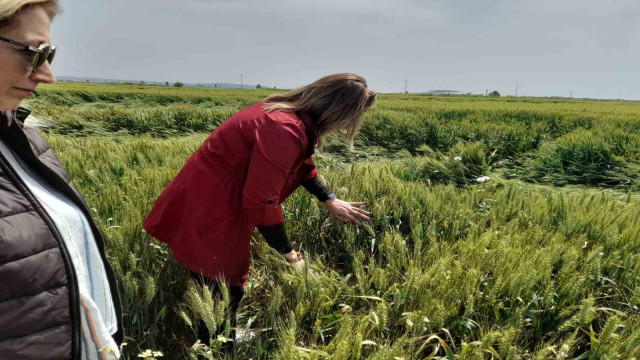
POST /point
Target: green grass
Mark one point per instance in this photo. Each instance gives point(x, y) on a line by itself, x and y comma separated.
point(581, 157)
point(448, 267)
point(512, 130)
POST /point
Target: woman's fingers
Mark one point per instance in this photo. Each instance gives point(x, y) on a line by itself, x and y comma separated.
point(354, 220)
point(365, 217)
point(299, 265)
point(351, 217)
point(352, 212)
point(354, 207)
point(360, 214)
point(361, 211)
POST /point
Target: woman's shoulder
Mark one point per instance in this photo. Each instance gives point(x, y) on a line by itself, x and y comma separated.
point(257, 111)
point(256, 115)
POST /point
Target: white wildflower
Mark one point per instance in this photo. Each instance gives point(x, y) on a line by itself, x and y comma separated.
point(149, 354)
point(457, 158)
point(483, 179)
point(223, 339)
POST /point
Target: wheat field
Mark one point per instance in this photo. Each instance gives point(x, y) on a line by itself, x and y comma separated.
point(503, 228)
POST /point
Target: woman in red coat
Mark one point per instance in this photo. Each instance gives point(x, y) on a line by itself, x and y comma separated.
point(237, 180)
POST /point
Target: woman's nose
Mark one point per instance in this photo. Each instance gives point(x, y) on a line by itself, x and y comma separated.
point(44, 74)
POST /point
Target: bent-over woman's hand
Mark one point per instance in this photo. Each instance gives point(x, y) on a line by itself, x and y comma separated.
point(295, 259)
point(347, 211)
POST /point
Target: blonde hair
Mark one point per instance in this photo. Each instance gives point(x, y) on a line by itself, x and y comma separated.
point(333, 102)
point(9, 9)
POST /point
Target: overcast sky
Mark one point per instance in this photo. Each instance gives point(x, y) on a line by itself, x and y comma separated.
point(548, 47)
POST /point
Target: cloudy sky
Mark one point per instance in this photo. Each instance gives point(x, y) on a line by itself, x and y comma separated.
point(590, 48)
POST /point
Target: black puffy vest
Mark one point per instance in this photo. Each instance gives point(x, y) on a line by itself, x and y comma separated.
point(39, 298)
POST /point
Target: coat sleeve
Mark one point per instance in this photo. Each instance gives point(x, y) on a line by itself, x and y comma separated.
point(310, 166)
point(277, 147)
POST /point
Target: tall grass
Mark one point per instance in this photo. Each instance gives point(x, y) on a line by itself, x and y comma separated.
point(510, 129)
point(449, 267)
point(582, 157)
point(496, 268)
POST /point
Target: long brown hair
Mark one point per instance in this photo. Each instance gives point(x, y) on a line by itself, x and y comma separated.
point(333, 102)
point(10, 8)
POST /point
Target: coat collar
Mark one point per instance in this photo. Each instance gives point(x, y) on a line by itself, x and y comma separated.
point(11, 131)
point(22, 114)
point(310, 130)
point(7, 117)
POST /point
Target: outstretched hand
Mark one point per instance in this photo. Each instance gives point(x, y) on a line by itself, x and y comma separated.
point(347, 211)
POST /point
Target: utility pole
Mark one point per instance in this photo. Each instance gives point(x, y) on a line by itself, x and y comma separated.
point(405, 86)
point(571, 95)
point(486, 92)
point(240, 80)
point(517, 89)
point(620, 96)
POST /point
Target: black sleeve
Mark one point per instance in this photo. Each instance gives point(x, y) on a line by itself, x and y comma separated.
point(276, 237)
point(317, 188)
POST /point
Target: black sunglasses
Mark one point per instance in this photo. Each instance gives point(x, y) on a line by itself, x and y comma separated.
point(45, 52)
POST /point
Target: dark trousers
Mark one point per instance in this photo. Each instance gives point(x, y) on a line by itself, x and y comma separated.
point(235, 295)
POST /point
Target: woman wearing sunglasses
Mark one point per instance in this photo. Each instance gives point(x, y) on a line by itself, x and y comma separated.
point(237, 180)
point(58, 295)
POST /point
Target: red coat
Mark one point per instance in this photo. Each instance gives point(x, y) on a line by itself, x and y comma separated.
point(234, 182)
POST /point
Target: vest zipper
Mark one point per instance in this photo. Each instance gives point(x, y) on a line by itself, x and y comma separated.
point(74, 295)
